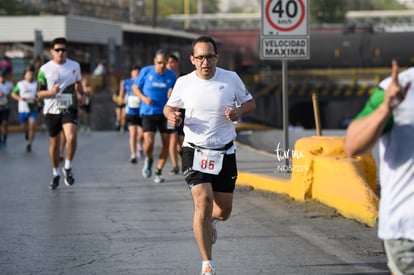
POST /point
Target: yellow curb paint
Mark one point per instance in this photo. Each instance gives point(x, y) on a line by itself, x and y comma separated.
point(18, 128)
point(264, 183)
point(245, 126)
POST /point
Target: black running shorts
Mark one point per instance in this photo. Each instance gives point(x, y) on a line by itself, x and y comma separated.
point(224, 182)
point(4, 114)
point(152, 123)
point(54, 122)
point(134, 120)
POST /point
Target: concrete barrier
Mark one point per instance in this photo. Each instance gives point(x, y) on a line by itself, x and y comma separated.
point(329, 176)
point(347, 184)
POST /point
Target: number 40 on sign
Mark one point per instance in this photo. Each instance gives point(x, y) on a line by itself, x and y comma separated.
point(284, 17)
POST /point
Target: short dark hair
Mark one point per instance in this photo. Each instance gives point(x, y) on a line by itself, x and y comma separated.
point(59, 40)
point(136, 67)
point(206, 39)
point(160, 52)
point(29, 67)
point(174, 56)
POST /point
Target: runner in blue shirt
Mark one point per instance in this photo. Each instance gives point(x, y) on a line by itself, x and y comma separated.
point(153, 86)
point(133, 118)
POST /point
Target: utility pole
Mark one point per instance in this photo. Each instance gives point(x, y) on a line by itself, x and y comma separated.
point(187, 14)
point(154, 13)
point(132, 11)
point(200, 14)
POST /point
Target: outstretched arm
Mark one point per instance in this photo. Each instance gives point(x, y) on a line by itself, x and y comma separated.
point(363, 133)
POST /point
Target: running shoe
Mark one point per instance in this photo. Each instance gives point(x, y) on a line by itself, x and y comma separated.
point(54, 183)
point(133, 160)
point(140, 153)
point(69, 179)
point(158, 178)
point(214, 231)
point(146, 170)
point(174, 171)
point(28, 148)
point(209, 270)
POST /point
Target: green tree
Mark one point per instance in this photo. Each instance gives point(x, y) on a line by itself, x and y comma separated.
point(168, 7)
point(373, 5)
point(14, 7)
point(329, 11)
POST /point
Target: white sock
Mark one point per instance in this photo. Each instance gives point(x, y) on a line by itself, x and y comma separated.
point(133, 155)
point(207, 263)
point(56, 172)
point(68, 164)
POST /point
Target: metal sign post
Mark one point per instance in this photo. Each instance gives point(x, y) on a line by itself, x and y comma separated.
point(285, 106)
point(285, 36)
point(38, 46)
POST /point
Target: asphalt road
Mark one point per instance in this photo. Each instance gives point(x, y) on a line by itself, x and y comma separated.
point(114, 221)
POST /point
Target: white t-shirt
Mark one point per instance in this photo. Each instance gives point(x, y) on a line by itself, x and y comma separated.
point(28, 91)
point(205, 102)
point(396, 148)
point(66, 75)
point(5, 89)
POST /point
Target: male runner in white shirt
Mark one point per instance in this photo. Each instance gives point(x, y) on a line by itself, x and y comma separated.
point(213, 98)
point(60, 83)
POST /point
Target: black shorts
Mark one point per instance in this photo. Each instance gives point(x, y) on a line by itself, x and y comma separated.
point(134, 120)
point(152, 123)
point(180, 128)
point(4, 114)
point(224, 182)
point(87, 108)
point(54, 122)
point(40, 105)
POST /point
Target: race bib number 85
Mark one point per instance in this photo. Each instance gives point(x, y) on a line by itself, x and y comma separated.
point(208, 161)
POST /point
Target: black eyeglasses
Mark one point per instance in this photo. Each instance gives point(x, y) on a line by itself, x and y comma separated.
point(201, 58)
point(60, 50)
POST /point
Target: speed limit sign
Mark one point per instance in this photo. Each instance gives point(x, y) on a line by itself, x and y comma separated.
point(285, 29)
point(284, 17)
